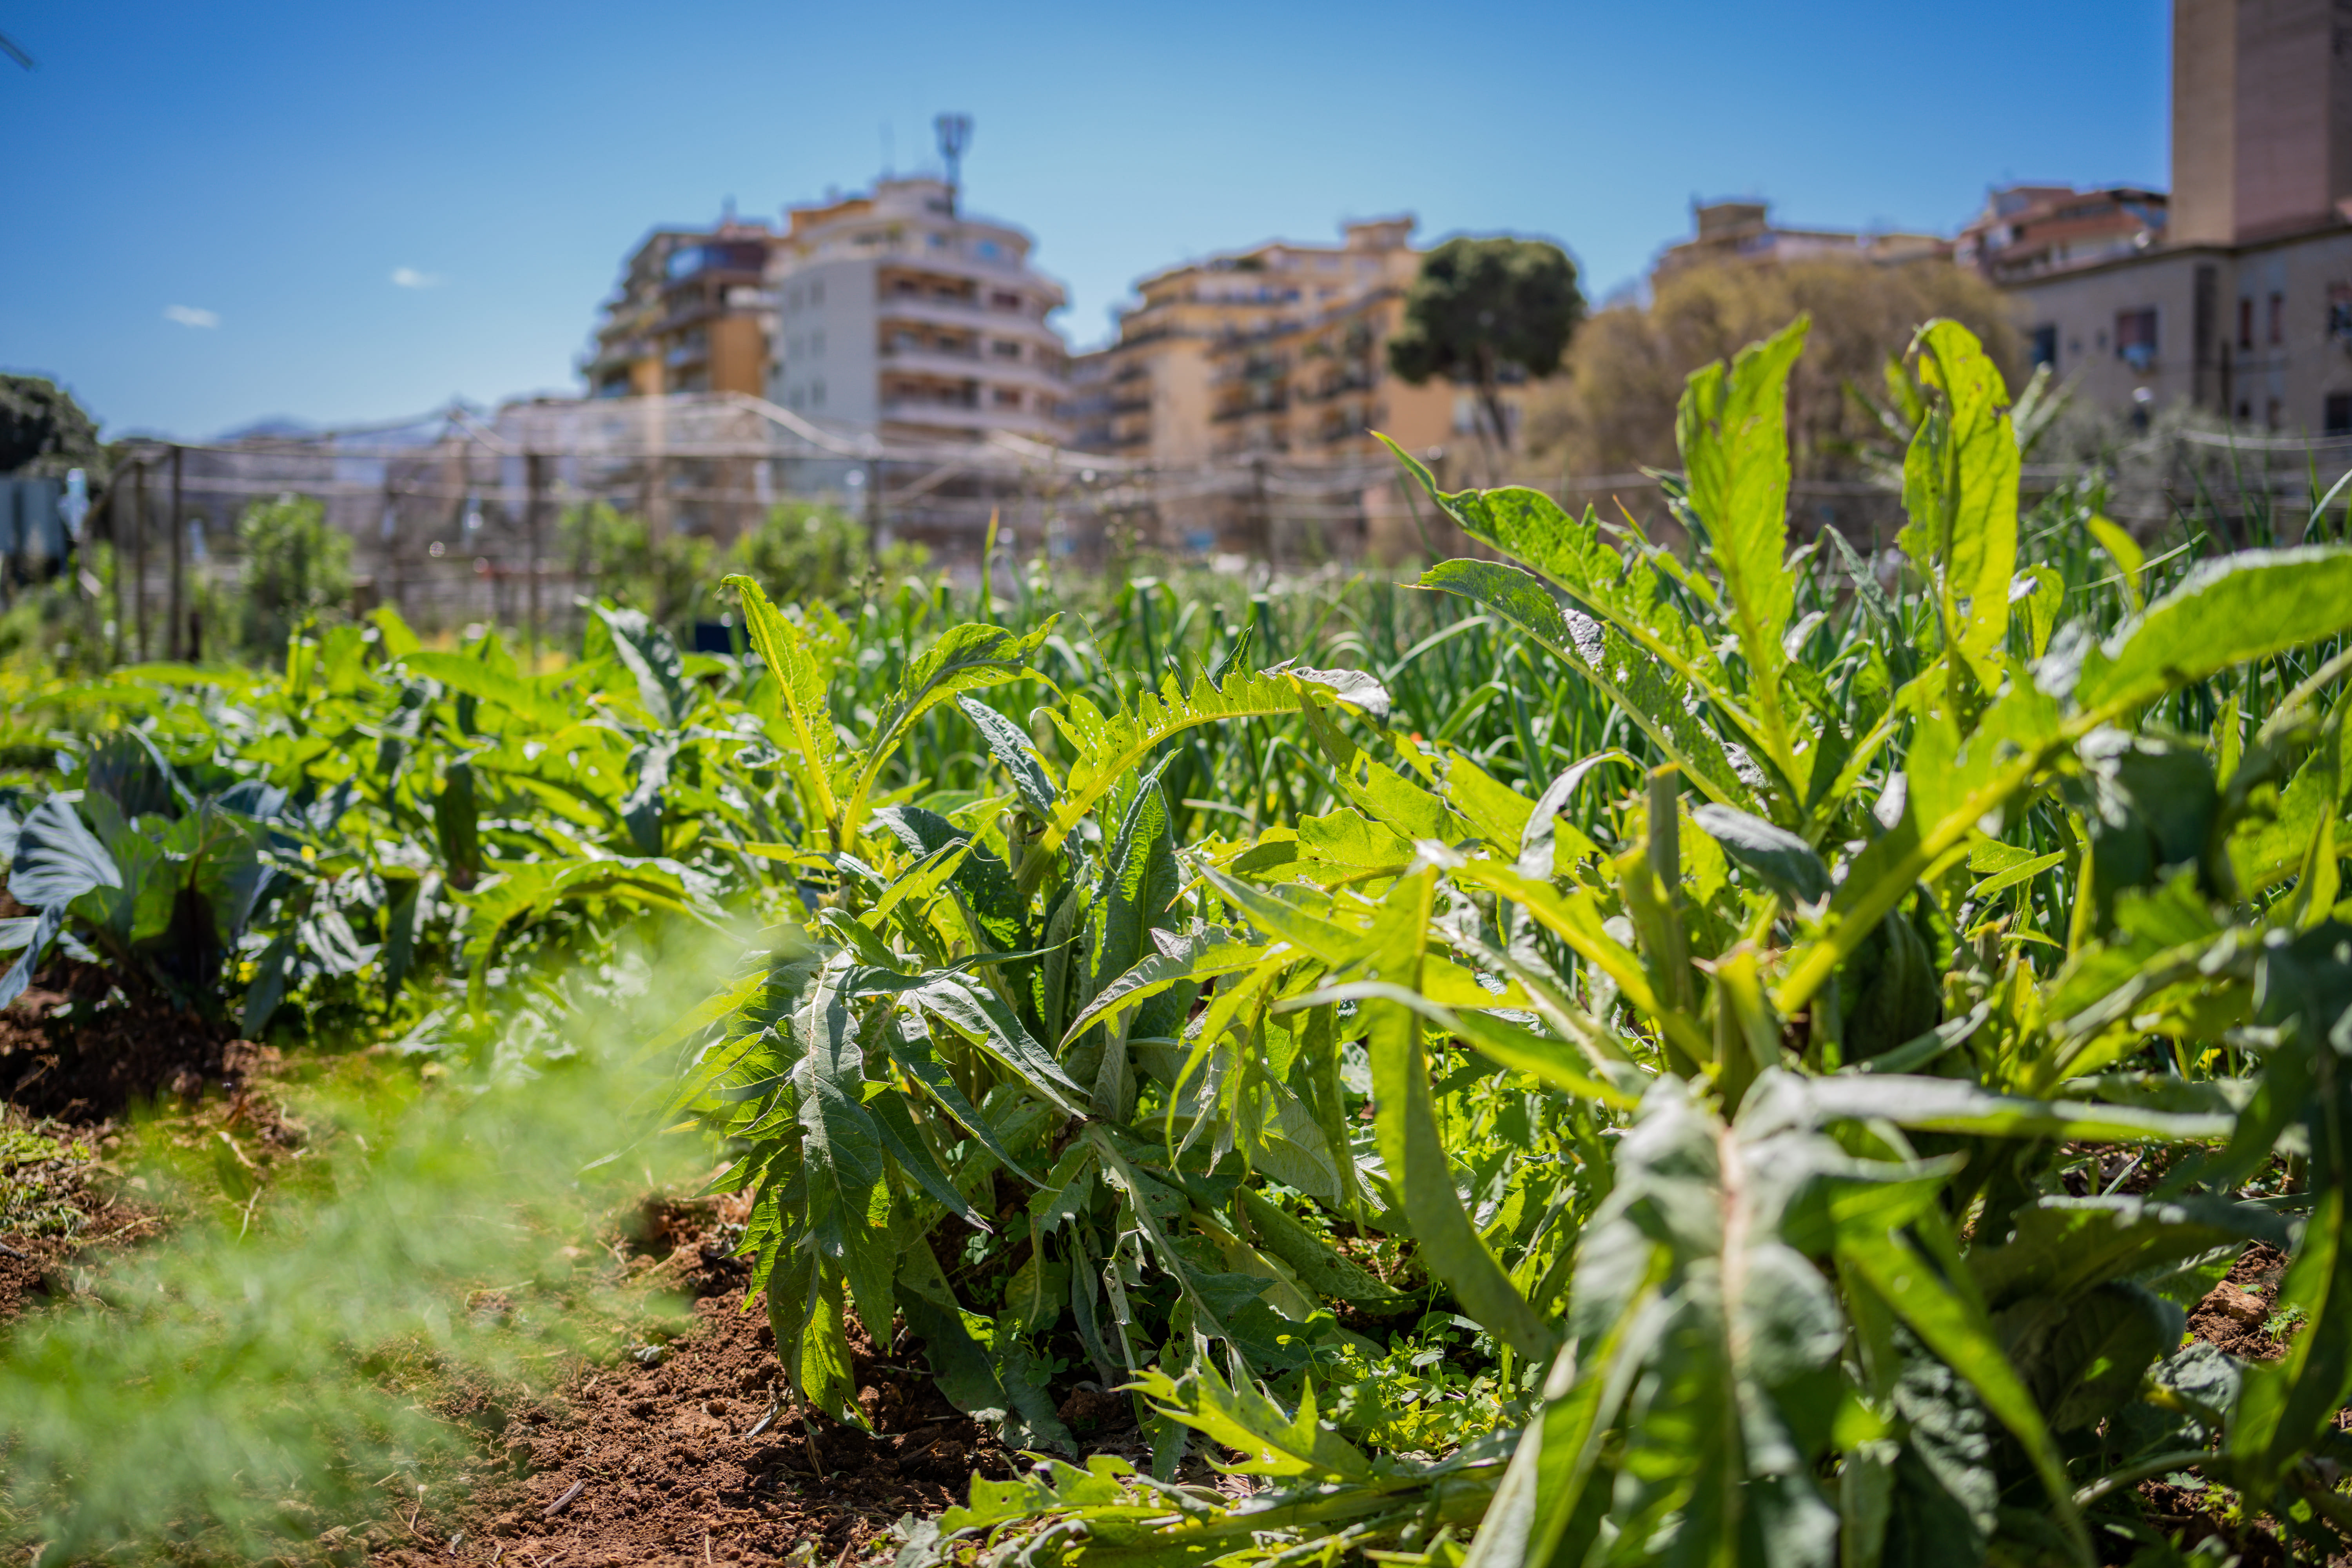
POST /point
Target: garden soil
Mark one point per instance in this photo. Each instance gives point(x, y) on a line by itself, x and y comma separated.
point(75, 1048)
point(695, 1460)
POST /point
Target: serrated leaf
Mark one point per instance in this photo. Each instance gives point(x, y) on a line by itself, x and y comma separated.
point(1015, 754)
point(1731, 428)
point(1960, 487)
point(1272, 1441)
point(807, 737)
point(1319, 1268)
point(976, 1013)
point(1658, 699)
point(2229, 610)
point(1405, 1124)
point(1107, 746)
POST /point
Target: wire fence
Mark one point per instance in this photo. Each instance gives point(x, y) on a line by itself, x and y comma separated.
point(454, 515)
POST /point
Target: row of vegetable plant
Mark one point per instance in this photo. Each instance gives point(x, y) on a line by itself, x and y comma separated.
point(1732, 1085)
point(1628, 1049)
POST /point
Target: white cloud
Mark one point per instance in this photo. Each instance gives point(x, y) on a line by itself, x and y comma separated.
point(409, 278)
point(189, 316)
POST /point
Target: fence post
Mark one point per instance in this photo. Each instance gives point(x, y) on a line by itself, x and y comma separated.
point(179, 563)
point(139, 560)
point(112, 515)
point(535, 477)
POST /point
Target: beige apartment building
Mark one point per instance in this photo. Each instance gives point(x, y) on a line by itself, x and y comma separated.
point(1742, 233)
point(2240, 303)
point(897, 312)
point(689, 315)
point(1277, 351)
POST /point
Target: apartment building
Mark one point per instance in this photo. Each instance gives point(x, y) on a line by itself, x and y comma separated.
point(2027, 231)
point(1278, 349)
point(691, 315)
point(1743, 233)
point(898, 313)
point(2243, 303)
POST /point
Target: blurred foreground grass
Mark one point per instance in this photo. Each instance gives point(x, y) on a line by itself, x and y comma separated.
point(262, 1371)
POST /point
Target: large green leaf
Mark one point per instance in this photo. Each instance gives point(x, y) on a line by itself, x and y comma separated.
point(1624, 588)
point(1107, 746)
point(1015, 754)
point(2226, 612)
point(841, 1146)
point(1732, 429)
point(1270, 1441)
point(803, 725)
point(1405, 1122)
point(1665, 705)
point(1959, 486)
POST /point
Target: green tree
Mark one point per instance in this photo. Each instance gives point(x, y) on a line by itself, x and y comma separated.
point(1612, 411)
point(1484, 309)
point(804, 551)
point(295, 567)
point(42, 430)
point(670, 579)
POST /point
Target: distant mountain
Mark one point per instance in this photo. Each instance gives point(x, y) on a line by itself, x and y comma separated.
point(279, 425)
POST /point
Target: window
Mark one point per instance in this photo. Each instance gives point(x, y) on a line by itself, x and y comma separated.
point(2045, 347)
point(2339, 310)
point(2272, 416)
point(2135, 337)
point(816, 293)
point(2245, 411)
point(1002, 301)
point(2338, 419)
point(2245, 323)
point(816, 394)
point(816, 344)
point(1007, 397)
point(2278, 320)
point(1004, 347)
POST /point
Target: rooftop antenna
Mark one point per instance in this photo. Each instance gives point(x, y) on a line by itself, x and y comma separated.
point(955, 135)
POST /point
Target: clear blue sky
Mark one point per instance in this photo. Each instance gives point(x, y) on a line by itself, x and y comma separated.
point(269, 168)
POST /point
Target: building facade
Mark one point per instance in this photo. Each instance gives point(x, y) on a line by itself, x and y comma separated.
point(2027, 231)
point(898, 313)
point(2244, 308)
point(1279, 350)
point(690, 314)
point(1743, 233)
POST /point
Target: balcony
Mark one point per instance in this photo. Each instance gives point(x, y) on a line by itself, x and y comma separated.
point(932, 397)
point(972, 421)
point(931, 359)
point(967, 315)
point(951, 366)
point(1000, 273)
point(1257, 369)
point(1339, 386)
